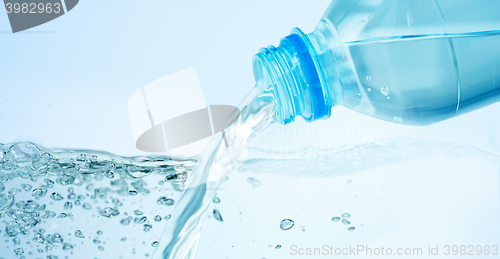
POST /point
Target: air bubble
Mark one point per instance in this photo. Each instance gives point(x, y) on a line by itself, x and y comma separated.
point(79, 234)
point(126, 220)
point(147, 227)
point(384, 90)
point(56, 196)
point(109, 212)
point(217, 215)
point(165, 201)
point(286, 224)
point(68, 205)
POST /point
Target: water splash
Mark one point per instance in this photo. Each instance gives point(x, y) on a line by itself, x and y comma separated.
point(180, 239)
point(36, 180)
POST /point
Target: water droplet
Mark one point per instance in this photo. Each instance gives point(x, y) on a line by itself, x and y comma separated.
point(138, 212)
point(56, 239)
point(140, 220)
point(133, 192)
point(87, 206)
point(24, 153)
point(16, 241)
point(217, 215)
point(62, 215)
point(109, 212)
point(368, 89)
point(56, 196)
point(90, 187)
point(363, 21)
point(96, 241)
point(101, 248)
point(336, 219)
point(398, 119)
point(167, 217)
point(277, 247)
point(49, 214)
point(286, 224)
point(18, 251)
point(254, 181)
point(67, 246)
point(99, 232)
point(165, 201)
point(26, 187)
point(79, 234)
point(68, 205)
point(368, 78)
point(39, 192)
point(147, 227)
point(346, 216)
point(154, 244)
point(123, 239)
point(71, 196)
point(351, 228)
point(157, 218)
point(345, 222)
point(126, 221)
point(216, 200)
point(384, 90)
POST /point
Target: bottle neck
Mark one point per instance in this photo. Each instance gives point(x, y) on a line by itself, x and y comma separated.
point(293, 72)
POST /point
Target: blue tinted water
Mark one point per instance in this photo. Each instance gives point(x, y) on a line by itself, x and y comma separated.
point(422, 79)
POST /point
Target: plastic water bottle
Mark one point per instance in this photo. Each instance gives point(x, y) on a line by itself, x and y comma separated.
point(407, 61)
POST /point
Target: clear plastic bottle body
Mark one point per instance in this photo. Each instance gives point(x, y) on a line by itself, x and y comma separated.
point(413, 61)
point(407, 61)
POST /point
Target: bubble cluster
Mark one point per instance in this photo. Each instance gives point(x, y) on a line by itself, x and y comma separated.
point(40, 187)
point(344, 217)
